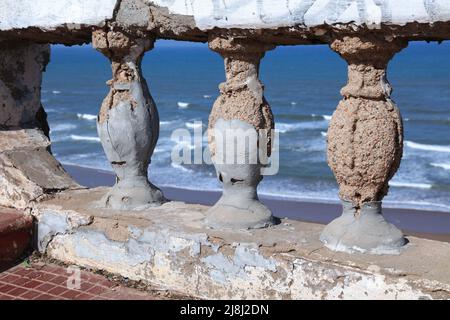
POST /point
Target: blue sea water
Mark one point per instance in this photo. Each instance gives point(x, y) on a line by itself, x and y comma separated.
point(302, 85)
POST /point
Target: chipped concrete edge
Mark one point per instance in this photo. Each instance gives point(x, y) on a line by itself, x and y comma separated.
point(208, 267)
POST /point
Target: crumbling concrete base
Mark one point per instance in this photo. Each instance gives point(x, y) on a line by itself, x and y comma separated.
point(28, 171)
point(171, 247)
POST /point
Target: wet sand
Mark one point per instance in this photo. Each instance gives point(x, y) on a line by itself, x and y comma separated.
point(422, 223)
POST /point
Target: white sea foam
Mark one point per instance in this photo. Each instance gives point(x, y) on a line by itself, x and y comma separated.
point(166, 123)
point(193, 125)
point(323, 116)
point(427, 147)
point(56, 92)
point(206, 96)
point(63, 127)
point(180, 167)
point(189, 145)
point(84, 138)
point(86, 116)
point(287, 127)
point(424, 205)
point(445, 166)
point(410, 185)
point(183, 105)
point(323, 133)
point(293, 103)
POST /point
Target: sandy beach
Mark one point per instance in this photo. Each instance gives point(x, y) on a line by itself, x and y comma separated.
point(422, 223)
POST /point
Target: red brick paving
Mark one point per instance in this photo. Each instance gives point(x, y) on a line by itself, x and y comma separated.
point(49, 282)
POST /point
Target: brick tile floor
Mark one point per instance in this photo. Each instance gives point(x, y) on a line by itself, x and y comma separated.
point(45, 281)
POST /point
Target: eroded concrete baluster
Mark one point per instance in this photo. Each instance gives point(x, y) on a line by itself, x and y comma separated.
point(365, 139)
point(240, 113)
point(28, 170)
point(128, 122)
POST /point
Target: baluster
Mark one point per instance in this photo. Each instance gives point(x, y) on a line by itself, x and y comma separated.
point(240, 112)
point(365, 138)
point(128, 122)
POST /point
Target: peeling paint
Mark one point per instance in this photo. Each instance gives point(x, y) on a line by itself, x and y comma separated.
point(270, 13)
point(177, 252)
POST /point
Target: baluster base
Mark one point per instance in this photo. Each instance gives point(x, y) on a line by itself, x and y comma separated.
point(132, 195)
point(363, 231)
point(239, 206)
point(250, 214)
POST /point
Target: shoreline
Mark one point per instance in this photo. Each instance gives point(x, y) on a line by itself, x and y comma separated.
point(433, 225)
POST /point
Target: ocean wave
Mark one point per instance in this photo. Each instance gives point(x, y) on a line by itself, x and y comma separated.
point(323, 133)
point(56, 92)
point(180, 167)
point(63, 127)
point(86, 116)
point(293, 103)
point(163, 147)
point(206, 96)
point(194, 125)
point(427, 147)
point(166, 123)
point(323, 116)
point(310, 125)
point(183, 105)
point(185, 143)
point(84, 138)
point(285, 127)
point(423, 205)
point(445, 166)
point(329, 196)
point(410, 185)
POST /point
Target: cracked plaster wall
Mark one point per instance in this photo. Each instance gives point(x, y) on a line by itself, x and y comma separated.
point(198, 264)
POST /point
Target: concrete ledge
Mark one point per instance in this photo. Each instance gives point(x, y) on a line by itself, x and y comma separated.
point(170, 247)
point(28, 170)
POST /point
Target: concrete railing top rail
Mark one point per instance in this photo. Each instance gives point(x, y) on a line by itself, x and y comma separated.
point(287, 22)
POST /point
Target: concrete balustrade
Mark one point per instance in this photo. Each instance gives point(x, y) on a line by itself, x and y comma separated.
point(131, 229)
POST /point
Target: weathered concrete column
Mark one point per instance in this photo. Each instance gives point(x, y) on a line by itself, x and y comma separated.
point(365, 140)
point(128, 122)
point(28, 170)
point(240, 113)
